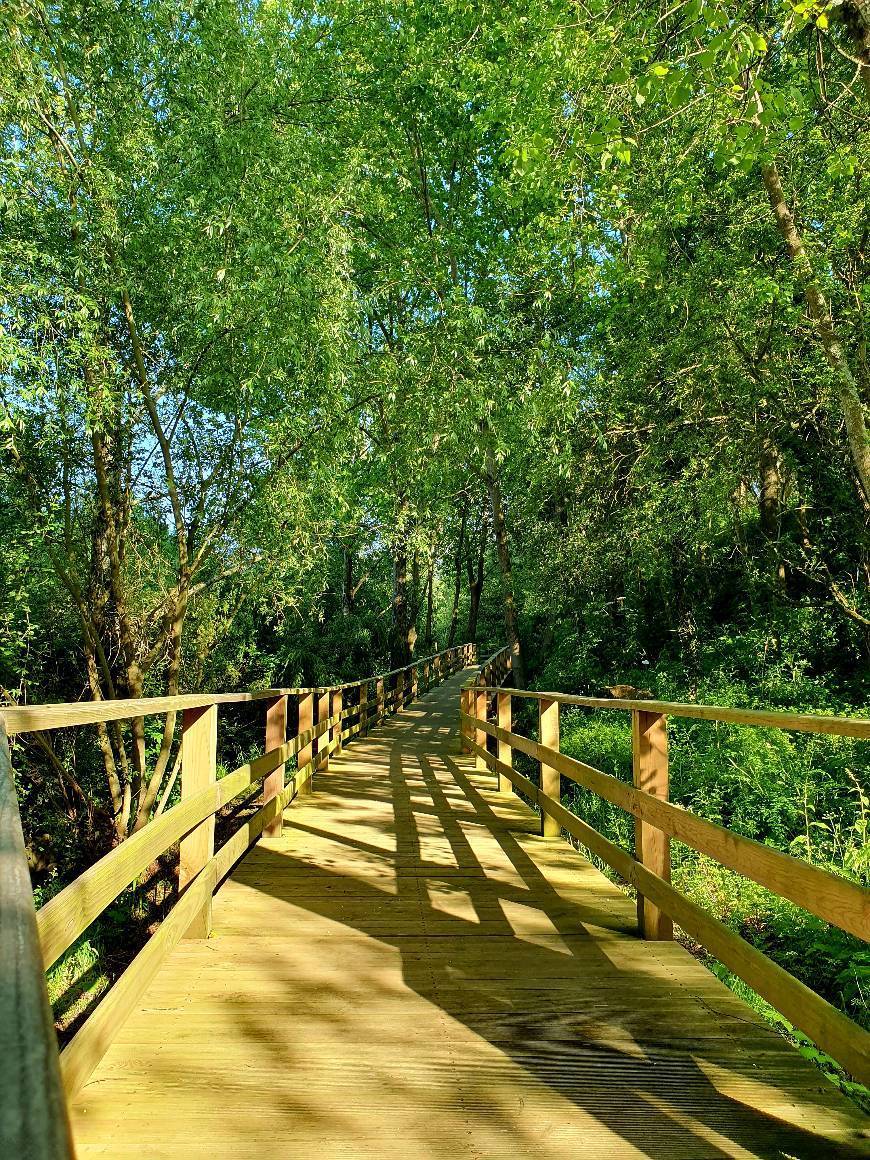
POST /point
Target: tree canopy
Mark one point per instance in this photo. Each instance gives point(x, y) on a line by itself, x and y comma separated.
point(331, 331)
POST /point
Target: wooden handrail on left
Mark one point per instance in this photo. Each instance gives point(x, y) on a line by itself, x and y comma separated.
point(837, 900)
point(33, 1079)
point(33, 1118)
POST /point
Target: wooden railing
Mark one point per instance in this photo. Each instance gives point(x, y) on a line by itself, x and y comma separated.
point(497, 668)
point(33, 1083)
point(486, 712)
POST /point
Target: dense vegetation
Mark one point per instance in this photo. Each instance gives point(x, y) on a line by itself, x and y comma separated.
point(331, 331)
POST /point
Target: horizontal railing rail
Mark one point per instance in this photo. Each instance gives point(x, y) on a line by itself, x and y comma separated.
point(760, 718)
point(36, 718)
point(836, 900)
point(33, 1118)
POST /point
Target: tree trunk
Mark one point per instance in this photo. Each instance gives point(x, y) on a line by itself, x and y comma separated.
point(820, 313)
point(475, 569)
point(857, 16)
point(770, 508)
point(457, 581)
point(474, 590)
point(430, 585)
point(400, 644)
point(347, 593)
point(493, 487)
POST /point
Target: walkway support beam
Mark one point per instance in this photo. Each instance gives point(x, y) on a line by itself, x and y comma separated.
point(505, 750)
point(321, 742)
point(480, 711)
point(198, 772)
point(336, 711)
point(548, 734)
point(306, 753)
point(276, 735)
point(652, 847)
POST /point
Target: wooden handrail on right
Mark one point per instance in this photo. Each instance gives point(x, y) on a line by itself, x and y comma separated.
point(33, 1080)
point(837, 900)
point(496, 669)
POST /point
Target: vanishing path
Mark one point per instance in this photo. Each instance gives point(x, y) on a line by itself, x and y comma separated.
point(410, 971)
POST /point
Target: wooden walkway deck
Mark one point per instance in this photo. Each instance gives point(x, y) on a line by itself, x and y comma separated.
point(410, 971)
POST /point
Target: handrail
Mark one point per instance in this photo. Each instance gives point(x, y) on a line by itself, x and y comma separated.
point(35, 718)
point(834, 899)
point(760, 718)
point(496, 668)
point(33, 1120)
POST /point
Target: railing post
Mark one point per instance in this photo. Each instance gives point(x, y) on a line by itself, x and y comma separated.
point(505, 750)
point(414, 683)
point(336, 711)
point(652, 847)
point(276, 735)
point(380, 701)
point(322, 741)
point(551, 781)
point(480, 735)
point(198, 772)
point(306, 753)
point(364, 708)
point(399, 697)
point(464, 727)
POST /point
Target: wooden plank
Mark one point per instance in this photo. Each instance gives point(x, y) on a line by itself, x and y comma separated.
point(832, 1031)
point(336, 712)
point(33, 1114)
point(198, 771)
point(649, 741)
point(505, 752)
point(306, 725)
point(548, 732)
point(480, 711)
point(364, 708)
point(465, 715)
point(837, 900)
point(91, 1042)
point(321, 743)
point(276, 735)
point(759, 718)
point(29, 718)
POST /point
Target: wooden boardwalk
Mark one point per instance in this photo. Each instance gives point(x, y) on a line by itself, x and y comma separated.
point(410, 971)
